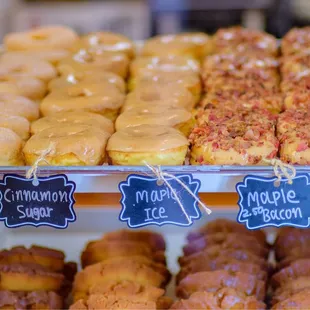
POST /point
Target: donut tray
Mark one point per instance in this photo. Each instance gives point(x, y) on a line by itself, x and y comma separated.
point(105, 179)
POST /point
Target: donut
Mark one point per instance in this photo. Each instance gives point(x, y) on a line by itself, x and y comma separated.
point(296, 301)
point(108, 78)
point(155, 145)
point(168, 96)
point(26, 86)
point(75, 118)
point(225, 298)
point(177, 118)
point(85, 61)
point(105, 41)
point(18, 124)
point(194, 45)
point(49, 258)
point(86, 97)
point(296, 40)
point(155, 79)
point(155, 240)
point(27, 66)
point(11, 104)
point(29, 278)
point(67, 145)
point(11, 148)
point(103, 274)
point(30, 300)
point(46, 38)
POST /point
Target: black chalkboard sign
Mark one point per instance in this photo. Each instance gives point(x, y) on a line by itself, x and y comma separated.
point(146, 202)
point(46, 201)
point(263, 204)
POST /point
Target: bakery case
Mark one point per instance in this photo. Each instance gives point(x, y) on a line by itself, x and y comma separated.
point(123, 165)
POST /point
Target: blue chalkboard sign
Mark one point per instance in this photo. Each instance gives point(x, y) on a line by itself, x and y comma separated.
point(145, 202)
point(46, 201)
point(263, 204)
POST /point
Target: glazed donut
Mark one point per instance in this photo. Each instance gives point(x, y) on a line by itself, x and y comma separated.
point(30, 300)
point(158, 145)
point(29, 278)
point(75, 118)
point(46, 38)
point(88, 77)
point(153, 239)
point(103, 274)
point(69, 145)
point(84, 61)
point(84, 98)
point(49, 258)
point(18, 124)
point(11, 148)
point(26, 86)
point(177, 118)
point(194, 45)
point(105, 41)
point(20, 106)
point(167, 96)
point(27, 66)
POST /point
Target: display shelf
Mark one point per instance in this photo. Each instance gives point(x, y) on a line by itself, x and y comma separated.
point(105, 179)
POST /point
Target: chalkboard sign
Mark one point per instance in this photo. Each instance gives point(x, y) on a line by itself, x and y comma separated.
point(146, 202)
point(263, 204)
point(45, 201)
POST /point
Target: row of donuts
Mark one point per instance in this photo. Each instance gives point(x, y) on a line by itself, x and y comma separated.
point(125, 269)
point(34, 278)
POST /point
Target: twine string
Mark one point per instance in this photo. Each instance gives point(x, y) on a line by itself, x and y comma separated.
point(161, 176)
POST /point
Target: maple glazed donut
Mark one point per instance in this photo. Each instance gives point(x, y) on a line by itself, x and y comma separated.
point(67, 145)
point(84, 97)
point(49, 37)
point(105, 41)
point(151, 144)
point(19, 106)
point(11, 148)
point(108, 78)
point(29, 66)
point(168, 96)
point(75, 118)
point(177, 118)
point(18, 124)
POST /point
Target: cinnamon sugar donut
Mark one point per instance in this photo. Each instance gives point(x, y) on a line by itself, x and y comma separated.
point(46, 257)
point(23, 85)
point(11, 148)
point(84, 97)
point(298, 300)
point(27, 66)
point(105, 41)
point(108, 78)
point(85, 61)
point(156, 145)
point(48, 37)
point(18, 124)
point(177, 118)
point(29, 278)
point(168, 96)
point(74, 118)
point(67, 145)
point(20, 106)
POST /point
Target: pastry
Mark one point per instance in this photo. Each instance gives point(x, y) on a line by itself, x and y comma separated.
point(74, 118)
point(299, 300)
point(18, 124)
point(177, 118)
point(211, 280)
point(48, 258)
point(154, 145)
point(295, 41)
point(11, 148)
point(67, 145)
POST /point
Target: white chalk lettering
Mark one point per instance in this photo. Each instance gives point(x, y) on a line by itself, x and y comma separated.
point(141, 196)
point(6, 193)
point(292, 195)
point(36, 213)
point(155, 214)
point(282, 214)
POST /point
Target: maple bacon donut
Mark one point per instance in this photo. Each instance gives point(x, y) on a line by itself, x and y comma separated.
point(155, 145)
point(67, 145)
point(48, 37)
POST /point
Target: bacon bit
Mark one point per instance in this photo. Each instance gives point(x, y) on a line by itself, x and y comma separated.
point(215, 146)
point(199, 159)
point(302, 147)
point(272, 154)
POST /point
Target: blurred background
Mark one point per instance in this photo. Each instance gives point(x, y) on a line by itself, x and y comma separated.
point(139, 19)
